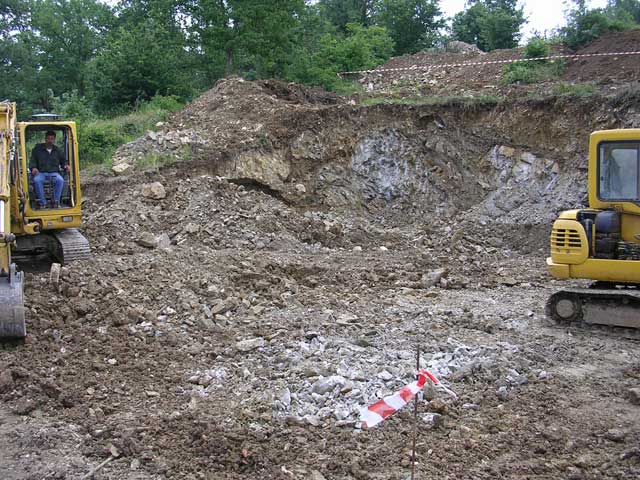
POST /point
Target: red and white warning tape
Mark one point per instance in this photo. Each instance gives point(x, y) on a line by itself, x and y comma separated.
point(426, 68)
point(382, 409)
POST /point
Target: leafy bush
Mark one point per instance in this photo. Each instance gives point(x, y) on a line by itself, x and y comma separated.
point(586, 26)
point(72, 106)
point(537, 47)
point(98, 139)
point(361, 48)
point(532, 72)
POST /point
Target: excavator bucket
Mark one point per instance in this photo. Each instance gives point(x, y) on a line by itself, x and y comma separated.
point(12, 324)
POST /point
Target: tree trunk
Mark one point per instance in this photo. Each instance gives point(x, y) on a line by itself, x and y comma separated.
point(229, 61)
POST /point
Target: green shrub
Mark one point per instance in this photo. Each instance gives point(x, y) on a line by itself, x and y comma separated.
point(98, 139)
point(586, 26)
point(532, 71)
point(168, 103)
point(537, 47)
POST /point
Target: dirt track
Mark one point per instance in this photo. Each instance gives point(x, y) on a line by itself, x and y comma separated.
point(232, 327)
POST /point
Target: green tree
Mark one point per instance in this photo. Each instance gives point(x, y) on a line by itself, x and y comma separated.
point(629, 7)
point(138, 63)
point(361, 48)
point(489, 24)
point(585, 25)
point(412, 24)
point(68, 35)
point(256, 37)
point(342, 12)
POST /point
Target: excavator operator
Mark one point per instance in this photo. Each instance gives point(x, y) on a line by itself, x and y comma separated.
point(47, 160)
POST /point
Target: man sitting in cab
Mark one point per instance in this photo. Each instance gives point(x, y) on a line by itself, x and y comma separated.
point(47, 160)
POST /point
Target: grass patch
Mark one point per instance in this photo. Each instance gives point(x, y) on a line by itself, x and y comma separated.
point(153, 161)
point(440, 101)
point(347, 88)
point(98, 139)
point(575, 89)
point(532, 71)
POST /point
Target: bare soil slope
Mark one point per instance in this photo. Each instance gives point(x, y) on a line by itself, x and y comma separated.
point(486, 79)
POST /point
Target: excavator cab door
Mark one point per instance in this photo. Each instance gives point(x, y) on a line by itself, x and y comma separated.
point(34, 135)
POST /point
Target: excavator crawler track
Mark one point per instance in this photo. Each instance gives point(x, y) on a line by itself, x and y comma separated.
point(612, 309)
point(73, 245)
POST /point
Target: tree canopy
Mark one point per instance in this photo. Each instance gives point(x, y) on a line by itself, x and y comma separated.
point(489, 24)
point(111, 57)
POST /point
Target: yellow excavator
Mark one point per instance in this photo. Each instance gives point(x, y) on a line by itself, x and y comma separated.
point(33, 229)
point(602, 242)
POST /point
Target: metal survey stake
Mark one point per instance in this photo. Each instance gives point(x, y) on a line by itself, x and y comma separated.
point(415, 418)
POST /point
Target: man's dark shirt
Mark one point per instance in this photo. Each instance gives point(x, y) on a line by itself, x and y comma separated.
point(47, 162)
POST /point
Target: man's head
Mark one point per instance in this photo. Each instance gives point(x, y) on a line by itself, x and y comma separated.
point(50, 138)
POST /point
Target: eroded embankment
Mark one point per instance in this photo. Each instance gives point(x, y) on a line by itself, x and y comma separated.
point(514, 164)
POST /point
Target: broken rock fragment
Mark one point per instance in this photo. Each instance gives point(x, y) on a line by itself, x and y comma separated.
point(154, 191)
point(148, 239)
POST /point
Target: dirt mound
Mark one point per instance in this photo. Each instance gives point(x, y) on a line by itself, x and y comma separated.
point(485, 78)
point(608, 70)
point(234, 116)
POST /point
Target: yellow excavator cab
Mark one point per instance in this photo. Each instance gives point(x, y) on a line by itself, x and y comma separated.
point(602, 242)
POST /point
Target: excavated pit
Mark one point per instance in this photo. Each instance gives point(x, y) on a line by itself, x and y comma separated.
point(231, 323)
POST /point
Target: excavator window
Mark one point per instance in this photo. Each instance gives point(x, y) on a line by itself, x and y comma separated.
point(34, 134)
point(618, 170)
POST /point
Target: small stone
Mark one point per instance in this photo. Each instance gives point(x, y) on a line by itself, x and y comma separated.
point(163, 241)
point(294, 420)
point(285, 398)
point(151, 393)
point(438, 406)
point(148, 239)
point(327, 384)
point(192, 228)
point(502, 393)
point(574, 473)
point(316, 475)
point(121, 168)
point(154, 191)
point(205, 323)
point(301, 189)
point(383, 249)
point(357, 248)
point(385, 376)
point(634, 395)
point(112, 361)
point(54, 275)
point(135, 464)
point(615, 435)
point(435, 420)
point(432, 279)
point(6, 381)
point(251, 344)
point(312, 420)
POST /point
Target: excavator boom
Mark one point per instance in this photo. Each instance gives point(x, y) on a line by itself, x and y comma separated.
point(12, 323)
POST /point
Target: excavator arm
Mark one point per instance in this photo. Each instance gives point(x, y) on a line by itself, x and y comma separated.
point(12, 323)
